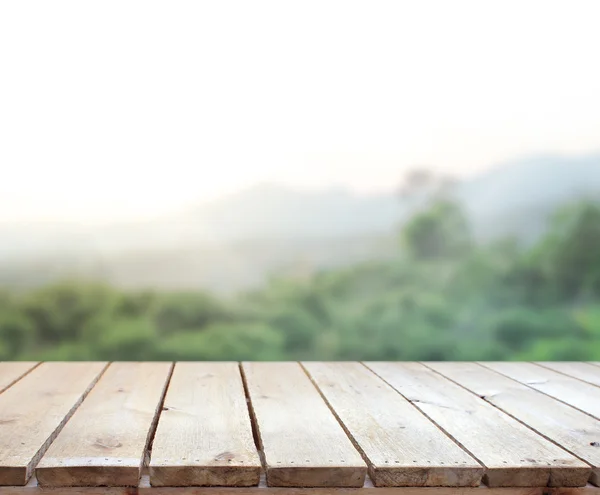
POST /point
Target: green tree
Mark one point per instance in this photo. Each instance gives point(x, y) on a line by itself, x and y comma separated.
point(128, 339)
point(59, 311)
point(569, 255)
point(183, 310)
point(441, 231)
point(17, 334)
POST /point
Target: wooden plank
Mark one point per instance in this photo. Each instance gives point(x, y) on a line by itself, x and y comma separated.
point(582, 371)
point(571, 429)
point(512, 454)
point(204, 436)
point(144, 488)
point(303, 444)
point(10, 372)
point(105, 441)
point(33, 411)
point(572, 391)
point(401, 446)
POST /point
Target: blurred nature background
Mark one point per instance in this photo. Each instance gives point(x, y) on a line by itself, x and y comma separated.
point(328, 180)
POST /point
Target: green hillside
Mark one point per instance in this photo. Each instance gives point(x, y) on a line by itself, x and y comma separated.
point(441, 296)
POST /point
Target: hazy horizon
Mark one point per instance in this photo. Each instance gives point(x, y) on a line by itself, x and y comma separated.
point(192, 203)
point(127, 116)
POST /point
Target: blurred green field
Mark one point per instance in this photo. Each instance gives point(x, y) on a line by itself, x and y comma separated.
point(442, 297)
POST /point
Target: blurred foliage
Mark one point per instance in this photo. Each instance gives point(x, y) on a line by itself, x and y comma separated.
point(442, 298)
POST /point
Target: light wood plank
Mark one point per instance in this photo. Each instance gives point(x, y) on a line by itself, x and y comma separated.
point(572, 391)
point(33, 411)
point(401, 446)
point(204, 436)
point(105, 441)
point(573, 430)
point(10, 372)
point(144, 488)
point(303, 443)
point(582, 371)
point(512, 454)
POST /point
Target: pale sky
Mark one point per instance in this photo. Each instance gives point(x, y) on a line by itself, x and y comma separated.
point(129, 108)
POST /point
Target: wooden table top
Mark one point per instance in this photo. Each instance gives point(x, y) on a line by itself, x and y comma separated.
point(310, 427)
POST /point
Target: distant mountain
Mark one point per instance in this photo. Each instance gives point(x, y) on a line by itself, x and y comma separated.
point(513, 198)
point(238, 240)
point(271, 211)
point(517, 198)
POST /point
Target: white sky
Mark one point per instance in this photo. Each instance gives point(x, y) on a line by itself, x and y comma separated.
point(119, 108)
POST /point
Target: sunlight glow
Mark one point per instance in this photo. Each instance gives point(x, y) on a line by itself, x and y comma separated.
point(130, 109)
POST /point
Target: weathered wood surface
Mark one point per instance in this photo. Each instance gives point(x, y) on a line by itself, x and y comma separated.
point(105, 441)
point(586, 372)
point(571, 391)
point(33, 411)
point(303, 443)
point(573, 430)
point(144, 488)
point(11, 372)
point(303, 428)
point(402, 447)
point(204, 436)
point(512, 453)
point(368, 488)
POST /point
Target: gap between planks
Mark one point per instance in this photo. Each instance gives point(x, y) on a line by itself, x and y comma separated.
point(152, 431)
point(368, 488)
point(304, 445)
point(567, 427)
point(528, 460)
point(13, 371)
point(571, 391)
point(586, 372)
point(41, 407)
point(144, 488)
point(105, 443)
point(204, 436)
point(401, 446)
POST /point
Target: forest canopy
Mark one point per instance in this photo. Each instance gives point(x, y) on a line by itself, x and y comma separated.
point(442, 297)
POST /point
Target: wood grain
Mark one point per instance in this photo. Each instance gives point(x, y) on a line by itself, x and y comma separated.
point(144, 488)
point(34, 410)
point(401, 446)
point(303, 444)
point(582, 371)
point(204, 436)
point(10, 372)
point(573, 430)
point(105, 441)
point(512, 454)
point(572, 391)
